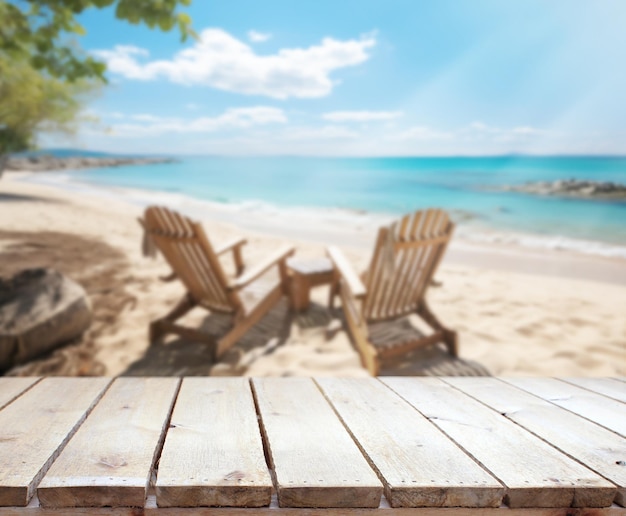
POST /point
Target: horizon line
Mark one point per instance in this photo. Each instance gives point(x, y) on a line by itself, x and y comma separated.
point(327, 156)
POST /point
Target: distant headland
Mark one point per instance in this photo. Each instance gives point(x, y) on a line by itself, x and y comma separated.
point(47, 162)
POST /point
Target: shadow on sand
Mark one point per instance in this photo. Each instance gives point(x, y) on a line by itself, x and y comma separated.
point(5, 197)
point(181, 357)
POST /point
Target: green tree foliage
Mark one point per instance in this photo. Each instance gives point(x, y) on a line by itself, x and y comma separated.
point(45, 77)
point(32, 102)
point(40, 30)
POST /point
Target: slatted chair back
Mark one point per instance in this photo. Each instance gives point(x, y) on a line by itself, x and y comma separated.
point(187, 249)
point(405, 259)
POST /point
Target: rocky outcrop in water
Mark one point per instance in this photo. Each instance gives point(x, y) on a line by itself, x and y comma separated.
point(46, 162)
point(584, 189)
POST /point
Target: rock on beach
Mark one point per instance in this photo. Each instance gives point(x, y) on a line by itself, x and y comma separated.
point(40, 309)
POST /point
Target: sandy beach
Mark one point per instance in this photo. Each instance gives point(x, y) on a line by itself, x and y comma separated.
point(518, 311)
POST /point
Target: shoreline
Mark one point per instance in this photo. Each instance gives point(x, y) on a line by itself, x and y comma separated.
point(506, 251)
point(517, 314)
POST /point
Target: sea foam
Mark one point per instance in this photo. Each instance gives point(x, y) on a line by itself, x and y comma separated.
point(326, 225)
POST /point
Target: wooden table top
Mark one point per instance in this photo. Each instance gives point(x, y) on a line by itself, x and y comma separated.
point(237, 446)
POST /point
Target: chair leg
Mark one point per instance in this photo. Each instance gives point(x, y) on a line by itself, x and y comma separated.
point(183, 306)
point(452, 342)
point(333, 291)
point(243, 323)
point(449, 336)
point(156, 330)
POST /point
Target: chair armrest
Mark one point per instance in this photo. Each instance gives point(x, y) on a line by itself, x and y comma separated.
point(234, 246)
point(231, 245)
point(253, 273)
point(345, 270)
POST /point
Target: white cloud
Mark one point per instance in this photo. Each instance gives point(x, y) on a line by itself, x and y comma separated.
point(476, 132)
point(328, 132)
point(526, 130)
point(106, 114)
point(479, 130)
point(234, 118)
point(143, 117)
point(361, 116)
point(479, 126)
point(424, 133)
point(221, 61)
point(258, 37)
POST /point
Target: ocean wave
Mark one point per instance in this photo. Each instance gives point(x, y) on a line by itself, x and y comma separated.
point(303, 221)
point(552, 242)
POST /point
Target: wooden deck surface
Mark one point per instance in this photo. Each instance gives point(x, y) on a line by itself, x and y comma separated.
point(234, 446)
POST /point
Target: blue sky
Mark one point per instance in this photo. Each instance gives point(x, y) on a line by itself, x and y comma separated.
point(366, 77)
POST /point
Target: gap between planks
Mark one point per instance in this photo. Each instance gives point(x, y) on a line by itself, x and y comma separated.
point(592, 445)
point(609, 387)
point(535, 473)
point(268, 461)
point(416, 462)
point(111, 458)
point(213, 454)
point(315, 460)
point(12, 388)
point(18, 487)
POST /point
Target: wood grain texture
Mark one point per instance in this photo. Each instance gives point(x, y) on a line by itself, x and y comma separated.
point(110, 459)
point(606, 386)
point(597, 448)
point(213, 453)
point(36, 426)
point(534, 473)
point(12, 387)
point(554, 424)
point(316, 462)
point(348, 273)
point(151, 509)
point(607, 412)
point(418, 464)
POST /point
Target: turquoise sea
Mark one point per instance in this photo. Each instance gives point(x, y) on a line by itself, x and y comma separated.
point(471, 188)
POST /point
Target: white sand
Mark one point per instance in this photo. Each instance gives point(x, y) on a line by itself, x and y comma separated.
point(517, 312)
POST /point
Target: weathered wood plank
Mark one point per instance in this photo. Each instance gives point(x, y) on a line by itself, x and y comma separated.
point(213, 453)
point(534, 473)
point(418, 464)
point(609, 413)
point(606, 386)
point(316, 462)
point(597, 448)
point(12, 387)
point(34, 429)
point(151, 509)
point(109, 460)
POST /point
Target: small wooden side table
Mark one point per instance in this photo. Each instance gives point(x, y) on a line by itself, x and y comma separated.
point(307, 273)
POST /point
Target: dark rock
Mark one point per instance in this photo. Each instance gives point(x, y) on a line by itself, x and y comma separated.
point(40, 309)
point(579, 188)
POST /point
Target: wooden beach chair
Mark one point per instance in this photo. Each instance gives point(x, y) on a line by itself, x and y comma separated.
point(195, 262)
point(404, 261)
